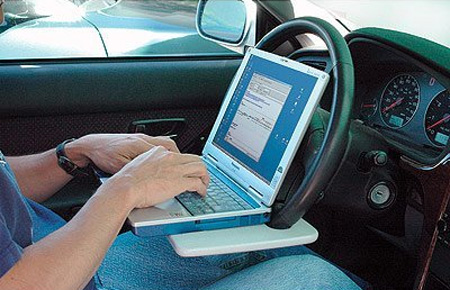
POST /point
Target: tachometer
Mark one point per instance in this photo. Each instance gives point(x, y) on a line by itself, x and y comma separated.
point(400, 101)
point(437, 119)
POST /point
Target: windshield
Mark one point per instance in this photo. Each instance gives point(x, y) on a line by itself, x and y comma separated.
point(426, 18)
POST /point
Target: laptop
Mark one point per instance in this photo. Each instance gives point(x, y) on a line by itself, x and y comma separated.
point(259, 128)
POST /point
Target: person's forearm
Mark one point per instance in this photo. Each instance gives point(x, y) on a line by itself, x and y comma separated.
point(39, 175)
point(68, 258)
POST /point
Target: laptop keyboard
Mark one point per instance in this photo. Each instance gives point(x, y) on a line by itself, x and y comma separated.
point(220, 198)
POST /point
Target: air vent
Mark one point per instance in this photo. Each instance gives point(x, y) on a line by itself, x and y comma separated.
point(320, 65)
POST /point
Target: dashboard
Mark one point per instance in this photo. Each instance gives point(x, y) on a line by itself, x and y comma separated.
point(403, 99)
point(414, 104)
point(402, 91)
point(401, 108)
point(396, 94)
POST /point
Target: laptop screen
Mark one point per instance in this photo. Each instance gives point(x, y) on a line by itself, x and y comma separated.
point(262, 115)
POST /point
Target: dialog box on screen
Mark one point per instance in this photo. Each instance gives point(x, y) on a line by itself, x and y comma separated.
point(257, 115)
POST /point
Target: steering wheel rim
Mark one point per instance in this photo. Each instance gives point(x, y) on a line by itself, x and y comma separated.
point(329, 156)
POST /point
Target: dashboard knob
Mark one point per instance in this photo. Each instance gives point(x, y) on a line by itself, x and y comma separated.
point(377, 158)
point(374, 158)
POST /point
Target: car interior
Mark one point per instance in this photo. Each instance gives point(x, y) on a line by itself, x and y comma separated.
point(371, 174)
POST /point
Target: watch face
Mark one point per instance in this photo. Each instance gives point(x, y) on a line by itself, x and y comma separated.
point(67, 165)
point(71, 168)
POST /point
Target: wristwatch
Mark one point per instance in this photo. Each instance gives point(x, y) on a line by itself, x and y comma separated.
point(68, 165)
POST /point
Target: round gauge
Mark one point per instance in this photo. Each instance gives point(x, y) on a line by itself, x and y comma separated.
point(437, 119)
point(400, 101)
point(369, 108)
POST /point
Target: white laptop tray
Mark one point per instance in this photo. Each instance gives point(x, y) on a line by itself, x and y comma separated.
point(242, 239)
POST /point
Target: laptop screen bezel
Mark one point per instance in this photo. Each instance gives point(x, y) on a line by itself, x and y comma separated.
point(237, 171)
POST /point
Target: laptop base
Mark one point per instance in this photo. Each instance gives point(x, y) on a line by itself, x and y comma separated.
point(200, 225)
point(242, 239)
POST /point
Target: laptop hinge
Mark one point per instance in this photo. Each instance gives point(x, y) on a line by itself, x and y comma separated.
point(256, 194)
point(211, 159)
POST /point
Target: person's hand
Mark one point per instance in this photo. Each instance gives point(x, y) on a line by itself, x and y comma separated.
point(111, 152)
point(158, 175)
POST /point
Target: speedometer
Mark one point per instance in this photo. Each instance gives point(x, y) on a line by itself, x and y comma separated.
point(399, 101)
point(437, 119)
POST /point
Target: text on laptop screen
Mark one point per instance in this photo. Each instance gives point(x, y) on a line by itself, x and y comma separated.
point(262, 115)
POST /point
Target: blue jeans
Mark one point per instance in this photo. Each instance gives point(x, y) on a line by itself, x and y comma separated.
point(151, 263)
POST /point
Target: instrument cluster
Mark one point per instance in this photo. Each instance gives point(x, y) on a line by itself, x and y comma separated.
point(413, 104)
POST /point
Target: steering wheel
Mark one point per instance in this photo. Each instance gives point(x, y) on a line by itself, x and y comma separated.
point(331, 150)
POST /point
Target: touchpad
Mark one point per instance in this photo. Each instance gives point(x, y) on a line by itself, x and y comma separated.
point(166, 210)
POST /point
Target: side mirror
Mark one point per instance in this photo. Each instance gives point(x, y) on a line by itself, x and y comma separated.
point(231, 23)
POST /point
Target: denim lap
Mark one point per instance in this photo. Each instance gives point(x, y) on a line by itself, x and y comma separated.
point(308, 272)
point(151, 263)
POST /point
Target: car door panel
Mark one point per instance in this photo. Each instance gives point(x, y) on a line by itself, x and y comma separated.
point(44, 103)
point(27, 135)
point(41, 89)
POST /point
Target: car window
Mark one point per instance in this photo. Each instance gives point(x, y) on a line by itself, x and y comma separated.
point(109, 28)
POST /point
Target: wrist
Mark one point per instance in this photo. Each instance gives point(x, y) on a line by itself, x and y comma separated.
point(121, 187)
point(77, 152)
